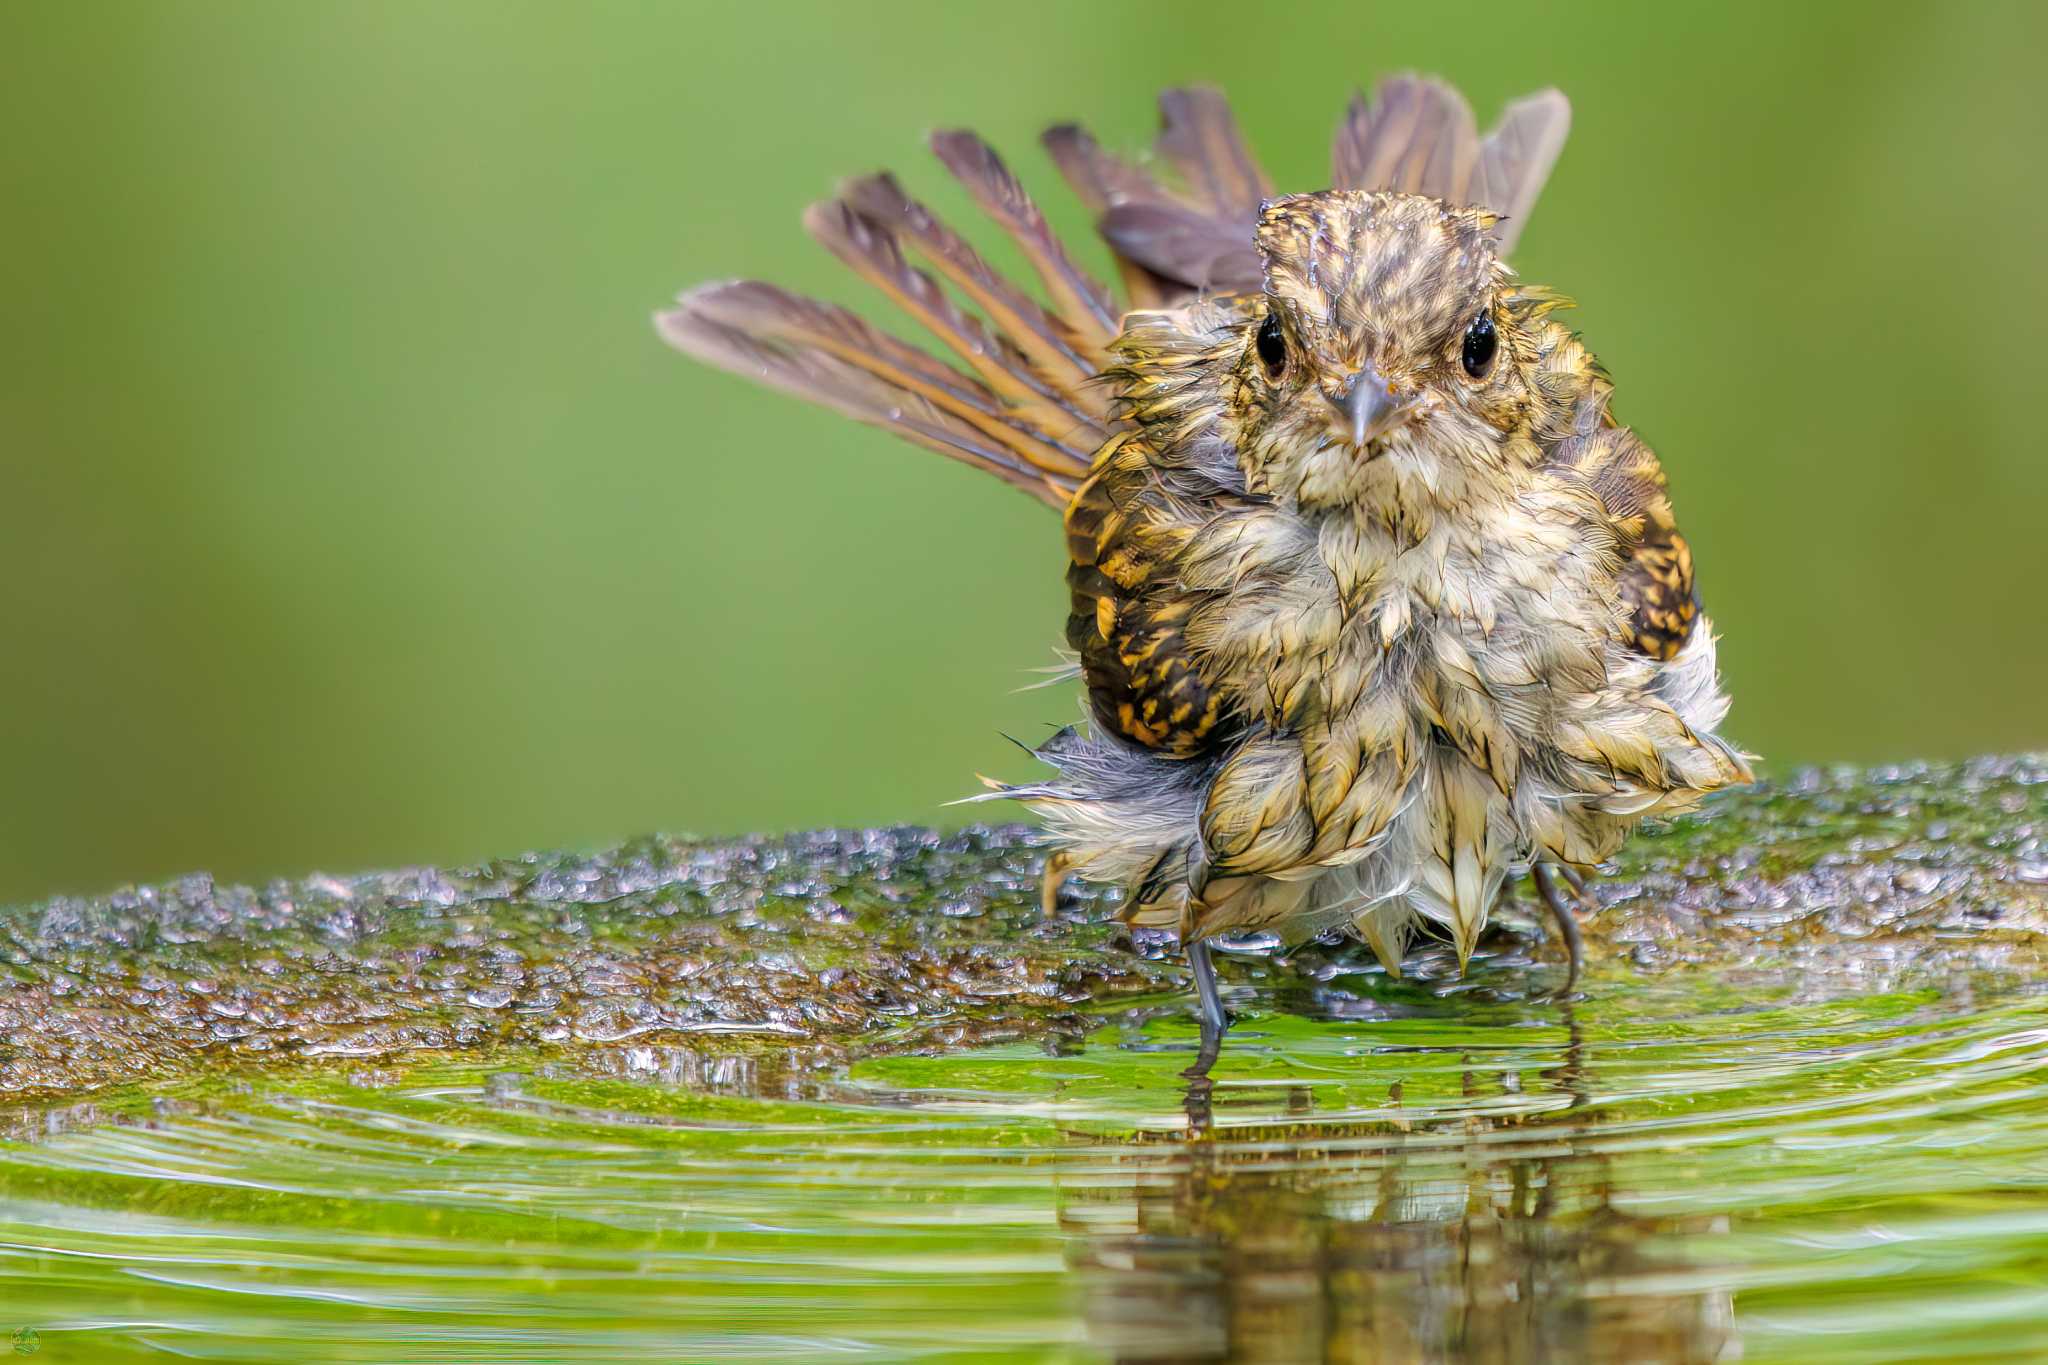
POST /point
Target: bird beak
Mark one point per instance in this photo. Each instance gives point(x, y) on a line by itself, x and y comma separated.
point(1368, 407)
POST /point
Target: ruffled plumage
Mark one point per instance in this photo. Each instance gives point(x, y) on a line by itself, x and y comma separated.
point(1326, 686)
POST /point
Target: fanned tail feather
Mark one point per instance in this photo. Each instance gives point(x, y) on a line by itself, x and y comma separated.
point(1101, 181)
point(1049, 350)
point(1176, 244)
point(873, 253)
point(1199, 135)
point(845, 388)
point(1027, 408)
point(1517, 157)
point(1021, 396)
point(1081, 306)
point(792, 325)
point(1418, 135)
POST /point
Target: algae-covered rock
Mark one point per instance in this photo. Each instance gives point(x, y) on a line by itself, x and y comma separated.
point(904, 939)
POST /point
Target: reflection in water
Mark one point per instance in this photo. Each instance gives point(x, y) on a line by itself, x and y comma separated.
point(1673, 1173)
point(1293, 1241)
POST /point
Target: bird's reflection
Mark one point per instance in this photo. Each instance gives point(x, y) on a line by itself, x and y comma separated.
point(1293, 1240)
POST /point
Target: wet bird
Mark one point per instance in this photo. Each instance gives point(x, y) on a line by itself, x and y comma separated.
point(1376, 603)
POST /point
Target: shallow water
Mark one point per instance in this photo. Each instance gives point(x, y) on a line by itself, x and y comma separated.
point(852, 1093)
point(1685, 1168)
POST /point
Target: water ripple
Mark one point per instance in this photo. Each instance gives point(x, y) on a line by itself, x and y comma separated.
point(1649, 1176)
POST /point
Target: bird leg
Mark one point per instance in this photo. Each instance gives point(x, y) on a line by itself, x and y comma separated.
point(1561, 910)
point(1214, 1020)
point(1056, 864)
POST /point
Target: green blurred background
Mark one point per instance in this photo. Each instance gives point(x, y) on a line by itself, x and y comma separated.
point(353, 514)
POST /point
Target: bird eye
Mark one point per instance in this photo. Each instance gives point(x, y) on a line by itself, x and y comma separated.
point(1481, 341)
point(1272, 344)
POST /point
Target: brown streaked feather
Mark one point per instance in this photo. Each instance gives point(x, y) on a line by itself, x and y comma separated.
point(874, 254)
point(1049, 348)
point(1079, 301)
point(776, 317)
point(823, 379)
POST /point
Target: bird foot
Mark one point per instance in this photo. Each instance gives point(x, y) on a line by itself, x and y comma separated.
point(1056, 864)
point(1215, 1019)
point(1563, 906)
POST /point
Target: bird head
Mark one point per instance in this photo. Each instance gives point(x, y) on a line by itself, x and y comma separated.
point(1383, 355)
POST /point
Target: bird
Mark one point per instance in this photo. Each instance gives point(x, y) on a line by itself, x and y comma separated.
point(1376, 603)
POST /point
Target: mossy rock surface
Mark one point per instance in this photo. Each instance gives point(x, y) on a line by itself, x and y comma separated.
point(820, 946)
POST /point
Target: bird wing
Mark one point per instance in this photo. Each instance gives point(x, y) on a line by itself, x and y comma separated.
point(1129, 616)
point(1656, 578)
point(1655, 582)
